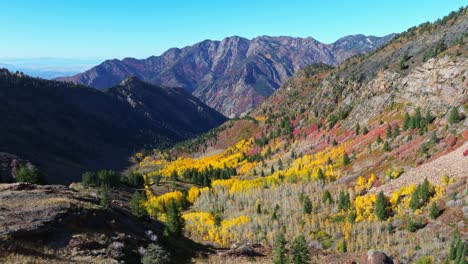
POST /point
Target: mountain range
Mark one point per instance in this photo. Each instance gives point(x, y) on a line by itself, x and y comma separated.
point(233, 75)
point(66, 129)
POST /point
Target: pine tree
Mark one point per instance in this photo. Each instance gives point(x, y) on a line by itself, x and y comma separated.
point(300, 251)
point(136, 204)
point(434, 211)
point(415, 200)
point(453, 244)
point(357, 129)
point(326, 197)
point(104, 197)
point(381, 204)
point(417, 118)
point(396, 131)
point(379, 139)
point(279, 251)
point(320, 175)
point(425, 192)
point(346, 159)
point(406, 122)
point(386, 146)
point(351, 216)
point(365, 131)
point(388, 133)
point(174, 221)
point(454, 116)
point(306, 205)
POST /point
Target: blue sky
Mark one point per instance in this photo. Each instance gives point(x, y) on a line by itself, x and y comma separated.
point(118, 29)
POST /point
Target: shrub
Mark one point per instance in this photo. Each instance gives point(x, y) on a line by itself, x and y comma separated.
point(341, 246)
point(155, 254)
point(425, 260)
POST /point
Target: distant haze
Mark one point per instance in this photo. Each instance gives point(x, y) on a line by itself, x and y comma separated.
point(48, 68)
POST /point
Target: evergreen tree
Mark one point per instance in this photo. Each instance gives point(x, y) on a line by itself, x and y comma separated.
point(344, 202)
point(434, 138)
point(104, 197)
point(300, 251)
point(454, 116)
point(351, 216)
point(388, 133)
point(306, 205)
point(136, 204)
point(279, 251)
point(434, 211)
point(452, 254)
point(396, 131)
point(381, 204)
point(386, 146)
point(346, 159)
point(326, 197)
point(174, 221)
point(357, 129)
point(406, 122)
point(320, 175)
point(415, 202)
point(379, 139)
point(425, 192)
point(365, 131)
point(417, 118)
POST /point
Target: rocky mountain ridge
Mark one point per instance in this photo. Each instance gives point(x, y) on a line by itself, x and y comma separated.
point(233, 75)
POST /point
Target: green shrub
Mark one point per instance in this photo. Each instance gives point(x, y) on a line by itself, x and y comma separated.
point(155, 254)
point(425, 260)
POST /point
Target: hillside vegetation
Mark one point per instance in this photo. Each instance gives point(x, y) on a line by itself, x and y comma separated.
point(369, 155)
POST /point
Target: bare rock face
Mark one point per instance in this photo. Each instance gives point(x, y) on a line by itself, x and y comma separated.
point(376, 257)
point(233, 75)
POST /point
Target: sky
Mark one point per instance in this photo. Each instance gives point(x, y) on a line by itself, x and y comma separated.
point(106, 29)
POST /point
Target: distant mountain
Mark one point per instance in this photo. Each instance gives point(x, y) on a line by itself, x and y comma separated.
point(233, 75)
point(67, 129)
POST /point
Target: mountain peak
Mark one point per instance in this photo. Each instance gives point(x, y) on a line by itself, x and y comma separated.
point(232, 75)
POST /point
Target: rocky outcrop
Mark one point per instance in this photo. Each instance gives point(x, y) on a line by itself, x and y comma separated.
point(40, 223)
point(376, 257)
point(233, 75)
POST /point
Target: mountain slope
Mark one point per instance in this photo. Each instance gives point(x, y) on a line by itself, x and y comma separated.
point(233, 75)
point(313, 158)
point(66, 129)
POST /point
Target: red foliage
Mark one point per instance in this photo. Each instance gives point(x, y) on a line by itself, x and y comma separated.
point(465, 153)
